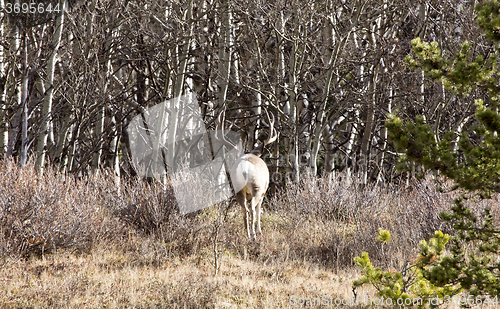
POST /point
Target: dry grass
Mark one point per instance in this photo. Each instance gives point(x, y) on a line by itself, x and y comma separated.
point(88, 243)
point(109, 278)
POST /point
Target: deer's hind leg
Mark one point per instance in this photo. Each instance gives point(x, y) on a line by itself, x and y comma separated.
point(241, 199)
point(255, 209)
point(258, 211)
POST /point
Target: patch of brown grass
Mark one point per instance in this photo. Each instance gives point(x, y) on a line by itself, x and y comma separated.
point(110, 278)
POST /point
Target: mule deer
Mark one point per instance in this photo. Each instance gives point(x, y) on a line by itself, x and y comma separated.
point(249, 175)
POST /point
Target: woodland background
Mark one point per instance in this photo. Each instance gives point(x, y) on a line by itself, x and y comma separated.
point(330, 71)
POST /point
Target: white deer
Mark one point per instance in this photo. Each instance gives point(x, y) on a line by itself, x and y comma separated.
point(249, 175)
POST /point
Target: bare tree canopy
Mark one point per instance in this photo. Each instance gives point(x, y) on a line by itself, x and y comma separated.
point(73, 77)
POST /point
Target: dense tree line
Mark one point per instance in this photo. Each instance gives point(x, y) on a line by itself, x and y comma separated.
point(330, 71)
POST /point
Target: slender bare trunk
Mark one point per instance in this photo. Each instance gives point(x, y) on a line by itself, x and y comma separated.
point(24, 100)
point(16, 98)
point(383, 138)
point(74, 145)
point(367, 132)
point(331, 60)
point(183, 53)
point(113, 147)
point(99, 131)
point(366, 139)
point(41, 148)
point(329, 149)
point(350, 150)
point(63, 140)
point(225, 45)
point(292, 102)
point(328, 36)
point(280, 91)
point(4, 128)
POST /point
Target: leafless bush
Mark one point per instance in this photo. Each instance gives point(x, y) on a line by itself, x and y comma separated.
point(331, 220)
point(152, 210)
point(326, 221)
point(41, 212)
point(146, 206)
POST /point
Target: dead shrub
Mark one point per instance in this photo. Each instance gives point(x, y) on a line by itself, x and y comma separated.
point(43, 212)
point(327, 221)
point(331, 220)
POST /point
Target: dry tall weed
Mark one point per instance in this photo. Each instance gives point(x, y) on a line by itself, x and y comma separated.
point(42, 212)
point(326, 221)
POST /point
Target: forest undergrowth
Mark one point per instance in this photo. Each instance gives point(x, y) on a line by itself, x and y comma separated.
point(91, 242)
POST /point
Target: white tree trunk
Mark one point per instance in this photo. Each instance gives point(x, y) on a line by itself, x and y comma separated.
point(366, 139)
point(225, 45)
point(383, 135)
point(321, 116)
point(328, 57)
point(383, 131)
point(47, 102)
point(183, 53)
point(4, 128)
point(367, 132)
point(63, 138)
point(292, 103)
point(24, 100)
point(74, 145)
